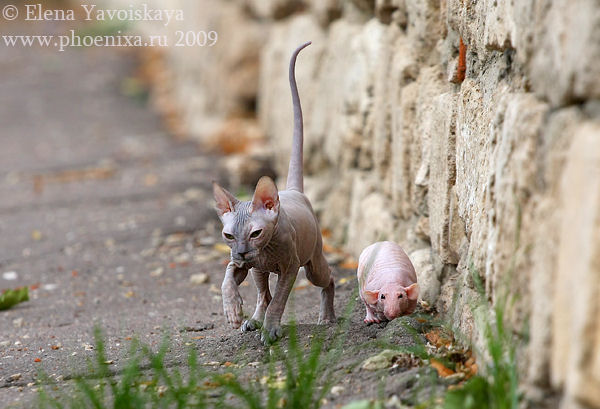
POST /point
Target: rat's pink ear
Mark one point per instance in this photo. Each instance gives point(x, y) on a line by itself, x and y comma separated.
point(225, 200)
point(371, 296)
point(265, 195)
point(412, 291)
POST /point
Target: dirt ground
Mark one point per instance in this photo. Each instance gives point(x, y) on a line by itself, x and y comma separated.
point(107, 219)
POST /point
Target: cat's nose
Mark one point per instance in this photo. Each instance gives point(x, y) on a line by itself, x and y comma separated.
point(242, 254)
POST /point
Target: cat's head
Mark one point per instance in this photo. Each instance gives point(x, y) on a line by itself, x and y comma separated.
point(248, 226)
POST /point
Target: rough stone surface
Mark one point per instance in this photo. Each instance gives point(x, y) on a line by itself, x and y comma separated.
point(475, 171)
point(428, 276)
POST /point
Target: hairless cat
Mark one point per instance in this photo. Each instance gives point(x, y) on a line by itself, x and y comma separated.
point(275, 232)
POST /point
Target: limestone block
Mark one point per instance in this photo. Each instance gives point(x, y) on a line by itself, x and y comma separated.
point(556, 138)
point(273, 9)
point(275, 106)
point(326, 11)
point(473, 166)
point(565, 51)
point(428, 275)
point(370, 218)
point(379, 121)
point(330, 194)
point(325, 125)
point(403, 135)
point(442, 174)
point(431, 84)
point(385, 9)
point(516, 130)
point(346, 79)
point(576, 322)
point(424, 25)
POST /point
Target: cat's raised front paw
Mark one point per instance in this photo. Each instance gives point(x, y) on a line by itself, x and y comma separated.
point(270, 334)
point(251, 325)
point(233, 311)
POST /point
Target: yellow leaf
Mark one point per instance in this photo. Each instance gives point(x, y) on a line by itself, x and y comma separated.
point(36, 235)
point(441, 369)
point(222, 248)
point(349, 264)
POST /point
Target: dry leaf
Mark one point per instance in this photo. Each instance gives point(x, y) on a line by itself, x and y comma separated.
point(36, 235)
point(438, 338)
point(441, 369)
point(222, 248)
point(349, 264)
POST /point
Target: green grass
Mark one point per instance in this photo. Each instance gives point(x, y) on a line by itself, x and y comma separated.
point(496, 385)
point(10, 298)
point(298, 377)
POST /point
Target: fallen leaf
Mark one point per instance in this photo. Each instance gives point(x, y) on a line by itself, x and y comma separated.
point(326, 233)
point(388, 358)
point(74, 273)
point(37, 360)
point(441, 369)
point(438, 338)
point(349, 264)
point(129, 294)
point(36, 235)
point(150, 180)
point(34, 287)
point(222, 248)
point(55, 347)
point(329, 249)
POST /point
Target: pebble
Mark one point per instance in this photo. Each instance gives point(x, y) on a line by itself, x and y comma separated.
point(10, 275)
point(199, 278)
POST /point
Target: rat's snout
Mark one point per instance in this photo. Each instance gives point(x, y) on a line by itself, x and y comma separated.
point(392, 311)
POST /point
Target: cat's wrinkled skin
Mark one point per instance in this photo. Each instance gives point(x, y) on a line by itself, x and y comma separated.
point(275, 232)
point(387, 282)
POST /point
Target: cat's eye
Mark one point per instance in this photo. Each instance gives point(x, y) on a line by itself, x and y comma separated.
point(255, 234)
point(400, 296)
point(382, 297)
point(228, 236)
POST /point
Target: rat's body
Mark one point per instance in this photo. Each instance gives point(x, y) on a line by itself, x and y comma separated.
point(276, 232)
point(387, 282)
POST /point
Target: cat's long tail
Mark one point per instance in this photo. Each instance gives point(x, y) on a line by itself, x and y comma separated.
point(295, 179)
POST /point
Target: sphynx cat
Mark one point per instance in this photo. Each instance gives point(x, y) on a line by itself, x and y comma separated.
point(275, 232)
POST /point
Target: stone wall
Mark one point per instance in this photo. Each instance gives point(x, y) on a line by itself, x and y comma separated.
point(497, 174)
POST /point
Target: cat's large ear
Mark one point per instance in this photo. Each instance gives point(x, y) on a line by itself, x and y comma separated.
point(265, 195)
point(225, 201)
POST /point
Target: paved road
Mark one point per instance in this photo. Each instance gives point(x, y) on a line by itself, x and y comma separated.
point(100, 211)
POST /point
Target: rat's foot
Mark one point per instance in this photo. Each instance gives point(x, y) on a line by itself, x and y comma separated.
point(271, 333)
point(233, 310)
point(372, 320)
point(251, 325)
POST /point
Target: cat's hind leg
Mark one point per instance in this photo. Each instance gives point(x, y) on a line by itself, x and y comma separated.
point(318, 272)
point(263, 298)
